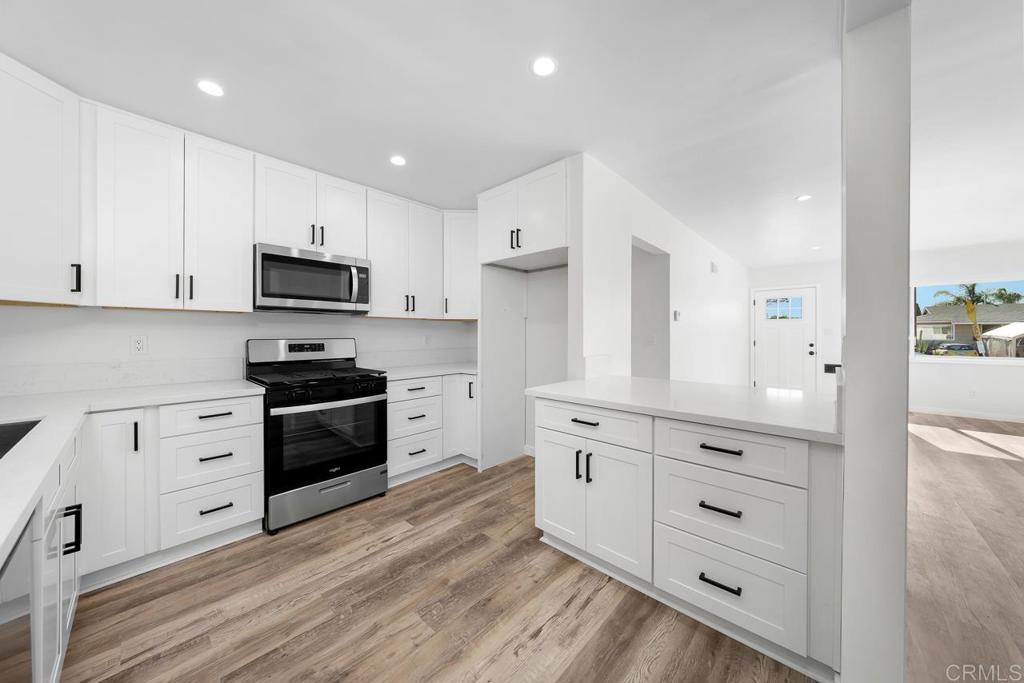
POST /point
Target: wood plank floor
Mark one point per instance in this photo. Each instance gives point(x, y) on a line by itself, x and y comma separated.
point(965, 538)
point(444, 579)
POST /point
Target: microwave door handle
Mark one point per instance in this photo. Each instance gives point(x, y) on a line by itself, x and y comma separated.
point(355, 284)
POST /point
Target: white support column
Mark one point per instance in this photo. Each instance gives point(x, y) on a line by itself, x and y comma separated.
point(876, 231)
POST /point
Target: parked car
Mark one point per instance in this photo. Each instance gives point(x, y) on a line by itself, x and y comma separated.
point(956, 349)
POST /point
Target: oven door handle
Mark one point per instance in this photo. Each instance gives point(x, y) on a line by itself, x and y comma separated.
point(310, 408)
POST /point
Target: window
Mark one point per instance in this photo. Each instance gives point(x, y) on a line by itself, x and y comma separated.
point(784, 308)
point(970, 319)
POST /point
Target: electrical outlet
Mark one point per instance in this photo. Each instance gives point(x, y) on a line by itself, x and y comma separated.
point(139, 345)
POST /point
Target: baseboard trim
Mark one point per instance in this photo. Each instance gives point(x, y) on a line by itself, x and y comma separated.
point(528, 450)
point(808, 667)
point(977, 414)
point(412, 475)
point(147, 563)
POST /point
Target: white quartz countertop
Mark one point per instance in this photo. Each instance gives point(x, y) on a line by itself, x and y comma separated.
point(436, 370)
point(781, 412)
point(24, 468)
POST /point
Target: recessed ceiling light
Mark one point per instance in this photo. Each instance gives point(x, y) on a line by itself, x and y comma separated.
point(815, 248)
point(398, 160)
point(544, 66)
point(211, 88)
point(803, 198)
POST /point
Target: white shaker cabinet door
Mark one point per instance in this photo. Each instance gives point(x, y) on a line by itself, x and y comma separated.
point(387, 243)
point(340, 217)
point(497, 218)
point(461, 266)
point(39, 196)
point(426, 262)
point(285, 204)
point(139, 211)
point(218, 226)
point(541, 212)
point(561, 494)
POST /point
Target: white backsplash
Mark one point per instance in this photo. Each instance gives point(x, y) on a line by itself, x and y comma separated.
point(45, 349)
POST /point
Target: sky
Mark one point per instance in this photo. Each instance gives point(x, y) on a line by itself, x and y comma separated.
point(926, 294)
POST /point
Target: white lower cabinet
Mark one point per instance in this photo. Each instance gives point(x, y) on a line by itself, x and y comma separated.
point(203, 458)
point(46, 624)
point(414, 416)
point(460, 416)
point(203, 510)
point(596, 496)
point(412, 452)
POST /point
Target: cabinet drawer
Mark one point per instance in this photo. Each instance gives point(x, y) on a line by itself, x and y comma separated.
point(762, 518)
point(188, 418)
point(194, 459)
point(413, 417)
point(759, 455)
point(611, 426)
point(412, 452)
point(771, 600)
point(203, 510)
point(406, 389)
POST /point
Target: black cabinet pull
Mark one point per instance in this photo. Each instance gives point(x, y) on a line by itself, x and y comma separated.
point(584, 422)
point(415, 388)
point(416, 417)
point(191, 287)
point(135, 436)
point(216, 509)
point(406, 303)
point(471, 390)
point(208, 458)
point(810, 353)
point(737, 513)
point(413, 303)
point(588, 468)
point(321, 235)
point(422, 450)
point(207, 417)
point(177, 286)
point(578, 475)
point(312, 234)
point(446, 305)
point(719, 449)
point(518, 245)
point(75, 511)
point(78, 277)
point(511, 239)
point(728, 589)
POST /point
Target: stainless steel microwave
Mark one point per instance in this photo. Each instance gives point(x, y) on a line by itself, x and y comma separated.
point(298, 279)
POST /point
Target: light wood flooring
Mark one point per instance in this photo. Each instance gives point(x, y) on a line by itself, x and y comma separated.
point(444, 579)
point(965, 537)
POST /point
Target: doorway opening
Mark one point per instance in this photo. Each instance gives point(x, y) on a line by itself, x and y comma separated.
point(650, 349)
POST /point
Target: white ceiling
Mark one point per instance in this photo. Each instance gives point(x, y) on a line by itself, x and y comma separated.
point(967, 123)
point(722, 112)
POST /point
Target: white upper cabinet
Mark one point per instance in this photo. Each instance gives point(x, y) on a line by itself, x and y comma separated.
point(139, 211)
point(426, 262)
point(387, 246)
point(461, 266)
point(524, 216)
point(218, 226)
point(285, 204)
point(340, 217)
point(39, 221)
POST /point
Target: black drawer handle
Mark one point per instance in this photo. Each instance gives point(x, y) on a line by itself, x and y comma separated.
point(74, 546)
point(216, 509)
point(208, 458)
point(415, 388)
point(207, 417)
point(78, 277)
point(584, 422)
point(422, 450)
point(719, 449)
point(737, 514)
point(728, 589)
point(416, 417)
point(578, 475)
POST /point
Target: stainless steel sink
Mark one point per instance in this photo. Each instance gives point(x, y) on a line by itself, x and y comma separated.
point(13, 432)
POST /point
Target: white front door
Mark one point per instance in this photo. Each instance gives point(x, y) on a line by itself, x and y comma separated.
point(785, 339)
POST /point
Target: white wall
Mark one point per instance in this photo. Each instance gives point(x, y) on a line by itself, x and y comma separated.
point(547, 307)
point(64, 349)
point(828, 275)
point(971, 387)
point(709, 343)
point(650, 327)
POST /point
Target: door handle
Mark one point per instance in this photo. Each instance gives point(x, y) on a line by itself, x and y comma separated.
point(78, 277)
point(74, 546)
point(135, 437)
point(177, 285)
point(413, 303)
point(471, 390)
point(312, 234)
point(518, 245)
point(191, 287)
point(578, 452)
point(810, 353)
point(446, 305)
point(321, 235)
point(588, 468)
point(406, 303)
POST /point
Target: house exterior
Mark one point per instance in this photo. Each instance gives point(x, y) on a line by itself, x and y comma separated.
point(949, 322)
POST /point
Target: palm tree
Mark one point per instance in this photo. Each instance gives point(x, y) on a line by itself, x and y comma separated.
point(969, 297)
point(1005, 296)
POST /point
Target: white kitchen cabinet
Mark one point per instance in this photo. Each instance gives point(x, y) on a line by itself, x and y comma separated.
point(70, 514)
point(285, 204)
point(340, 217)
point(426, 262)
point(460, 416)
point(525, 216)
point(39, 197)
point(561, 494)
point(387, 246)
point(46, 626)
point(113, 482)
point(218, 226)
point(461, 266)
point(139, 211)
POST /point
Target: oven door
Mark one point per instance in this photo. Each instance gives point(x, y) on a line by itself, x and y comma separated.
point(307, 444)
point(309, 280)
